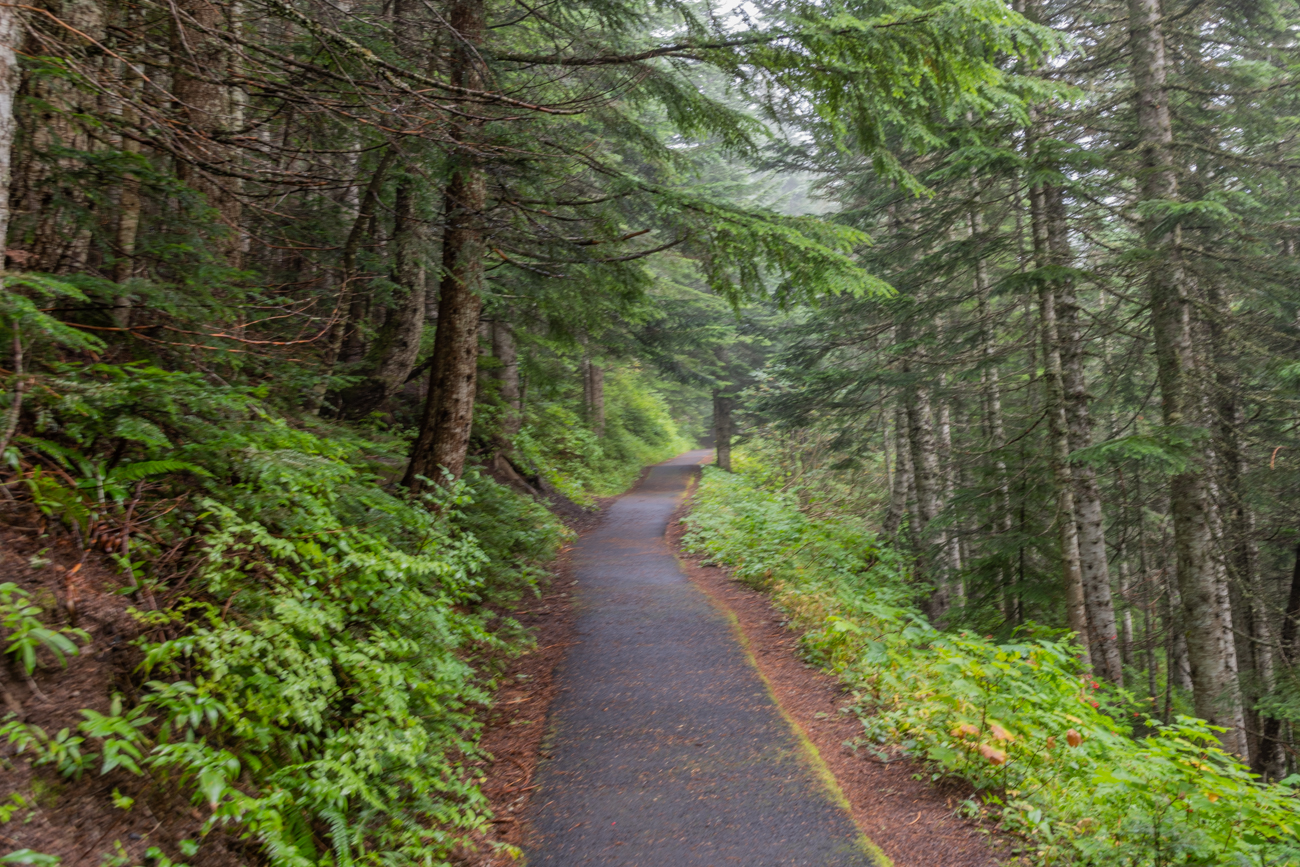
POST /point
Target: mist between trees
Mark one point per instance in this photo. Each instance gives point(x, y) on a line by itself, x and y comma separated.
point(1042, 328)
point(1083, 392)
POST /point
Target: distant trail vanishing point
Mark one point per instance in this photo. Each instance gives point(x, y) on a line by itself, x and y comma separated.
point(667, 749)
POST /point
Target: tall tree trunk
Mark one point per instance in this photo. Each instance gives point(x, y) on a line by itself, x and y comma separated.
point(506, 352)
point(1148, 600)
point(396, 347)
point(928, 479)
point(1271, 759)
point(1215, 689)
point(11, 35)
point(1094, 569)
point(593, 395)
point(722, 407)
point(449, 408)
point(200, 61)
point(1252, 645)
point(902, 479)
point(1126, 623)
point(947, 488)
point(991, 394)
point(127, 230)
point(1058, 434)
point(356, 340)
point(443, 443)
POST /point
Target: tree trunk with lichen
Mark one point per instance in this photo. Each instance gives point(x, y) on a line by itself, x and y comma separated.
point(506, 352)
point(1094, 566)
point(723, 404)
point(443, 443)
point(1215, 689)
point(11, 34)
point(1058, 431)
point(928, 479)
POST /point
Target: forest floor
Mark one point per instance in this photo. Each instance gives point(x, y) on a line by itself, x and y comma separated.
point(664, 717)
point(667, 718)
point(76, 820)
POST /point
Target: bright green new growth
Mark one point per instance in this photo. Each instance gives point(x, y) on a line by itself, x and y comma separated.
point(1045, 748)
point(639, 432)
point(25, 633)
point(320, 675)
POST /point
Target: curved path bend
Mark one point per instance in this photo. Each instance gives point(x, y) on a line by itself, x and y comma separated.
point(667, 749)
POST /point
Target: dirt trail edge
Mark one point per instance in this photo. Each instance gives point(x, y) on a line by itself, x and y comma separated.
point(666, 745)
point(911, 819)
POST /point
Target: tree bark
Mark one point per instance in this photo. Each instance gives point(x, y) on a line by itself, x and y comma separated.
point(506, 352)
point(1215, 689)
point(927, 478)
point(1270, 759)
point(593, 395)
point(1058, 434)
point(128, 228)
point(902, 479)
point(1126, 623)
point(443, 443)
point(991, 394)
point(1250, 636)
point(125, 235)
point(1094, 569)
point(205, 106)
point(947, 489)
point(57, 117)
point(722, 431)
point(11, 33)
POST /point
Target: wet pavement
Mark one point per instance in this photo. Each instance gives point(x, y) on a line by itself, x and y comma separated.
point(666, 748)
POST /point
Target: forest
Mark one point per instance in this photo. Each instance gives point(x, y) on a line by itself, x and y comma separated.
point(324, 322)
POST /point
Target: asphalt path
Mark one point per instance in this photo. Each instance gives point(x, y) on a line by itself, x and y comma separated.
point(667, 750)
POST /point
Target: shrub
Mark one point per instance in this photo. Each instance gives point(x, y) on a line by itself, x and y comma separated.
point(317, 683)
point(1020, 720)
point(639, 431)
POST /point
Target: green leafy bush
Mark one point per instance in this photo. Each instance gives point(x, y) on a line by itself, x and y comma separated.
point(1019, 720)
point(316, 690)
point(24, 633)
point(639, 431)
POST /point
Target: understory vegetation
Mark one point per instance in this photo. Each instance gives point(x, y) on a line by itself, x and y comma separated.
point(1084, 772)
point(315, 316)
point(639, 430)
point(313, 645)
point(309, 637)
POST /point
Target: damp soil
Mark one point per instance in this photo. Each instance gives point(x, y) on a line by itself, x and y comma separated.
point(75, 819)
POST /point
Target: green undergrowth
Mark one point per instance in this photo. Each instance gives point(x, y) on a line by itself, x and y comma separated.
point(639, 431)
point(310, 634)
point(1078, 773)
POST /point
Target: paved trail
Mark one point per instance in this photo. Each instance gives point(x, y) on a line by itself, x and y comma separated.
point(667, 749)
